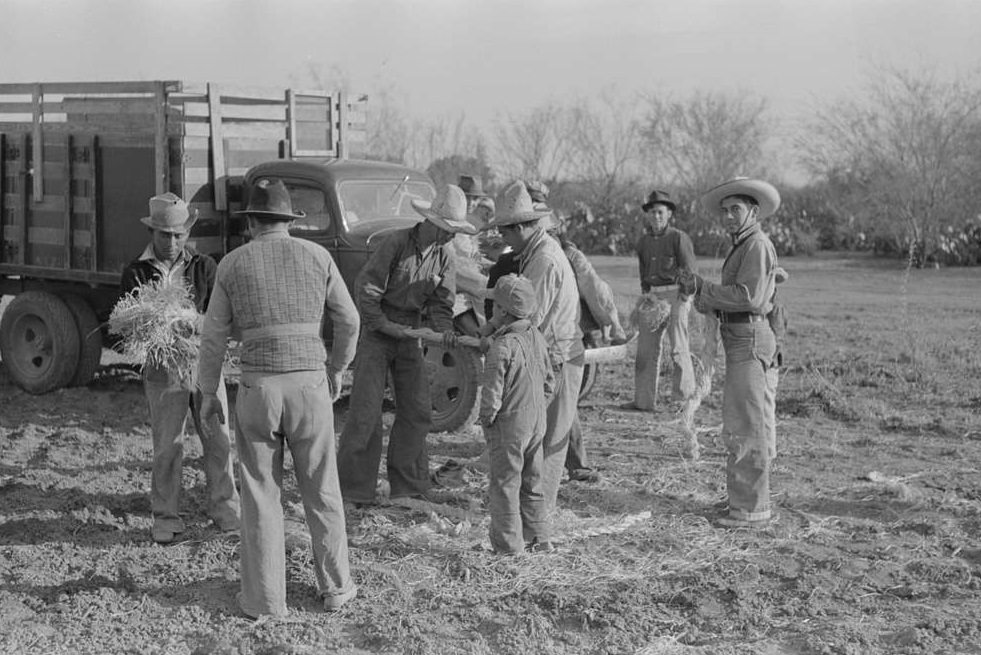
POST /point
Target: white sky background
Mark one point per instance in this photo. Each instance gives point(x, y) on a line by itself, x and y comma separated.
point(487, 58)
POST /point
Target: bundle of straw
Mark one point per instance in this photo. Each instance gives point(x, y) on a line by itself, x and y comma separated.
point(650, 313)
point(159, 325)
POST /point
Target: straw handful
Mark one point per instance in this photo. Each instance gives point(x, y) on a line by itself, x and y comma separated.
point(650, 313)
point(159, 324)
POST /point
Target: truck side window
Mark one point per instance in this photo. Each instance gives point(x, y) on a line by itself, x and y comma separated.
point(312, 201)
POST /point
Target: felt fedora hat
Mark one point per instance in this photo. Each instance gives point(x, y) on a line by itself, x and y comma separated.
point(472, 186)
point(657, 197)
point(764, 193)
point(269, 198)
point(518, 207)
point(169, 213)
point(448, 210)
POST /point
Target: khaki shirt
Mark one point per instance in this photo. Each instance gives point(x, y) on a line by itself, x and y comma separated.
point(748, 276)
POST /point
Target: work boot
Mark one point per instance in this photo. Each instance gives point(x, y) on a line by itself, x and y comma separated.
point(335, 601)
point(537, 546)
point(584, 475)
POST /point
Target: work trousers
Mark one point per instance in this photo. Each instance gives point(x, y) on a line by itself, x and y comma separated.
point(361, 440)
point(575, 456)
point(169, 398)
point(515, 490)
point(560, 416)
point(749, 417)
point(295, 410)
point(647, 365)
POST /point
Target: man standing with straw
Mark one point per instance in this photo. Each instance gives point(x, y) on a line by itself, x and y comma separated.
point(276, 292)
point(742, 302)
point(663, 252)
point(168, 257)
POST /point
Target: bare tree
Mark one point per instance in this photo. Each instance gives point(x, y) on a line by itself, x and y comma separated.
point(697, 142)
point(904, 158)
point(534, 145)
point(604, 144)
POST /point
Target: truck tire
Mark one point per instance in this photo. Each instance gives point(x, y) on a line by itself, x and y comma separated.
point(89, 340)
point(454, 386)
point(39, 342)
point(590, 372)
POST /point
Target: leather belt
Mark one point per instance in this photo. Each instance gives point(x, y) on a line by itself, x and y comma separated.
point(740, 317)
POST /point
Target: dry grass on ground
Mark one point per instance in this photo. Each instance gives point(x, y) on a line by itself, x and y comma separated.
point(876, 549)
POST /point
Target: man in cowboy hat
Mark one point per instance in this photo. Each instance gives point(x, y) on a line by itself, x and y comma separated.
point(662, 252)
point(473, 188)
point(410, 279)
point(556, 315)
point(742, 302)
point(275, 293)
point(168, 395)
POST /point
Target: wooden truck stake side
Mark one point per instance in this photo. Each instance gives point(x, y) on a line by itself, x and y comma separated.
point(79, 161)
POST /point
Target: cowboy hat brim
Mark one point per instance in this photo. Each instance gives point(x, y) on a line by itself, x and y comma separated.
point(186, 227)
point(520, 217)
point(448, 224)
point(765, 194)
point(277, 215)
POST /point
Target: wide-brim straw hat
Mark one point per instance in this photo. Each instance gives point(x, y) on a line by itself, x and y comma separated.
point(517, 207)
point(269, 198)
point(169, 213)
point(765, 194)
point(448, 210)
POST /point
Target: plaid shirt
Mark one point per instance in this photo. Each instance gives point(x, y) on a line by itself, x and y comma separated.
point(274, 292)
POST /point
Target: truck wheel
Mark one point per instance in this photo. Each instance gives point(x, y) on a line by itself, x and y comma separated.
point(589, 374)
point(39, 342)
point(89, 339)
point(454, 385)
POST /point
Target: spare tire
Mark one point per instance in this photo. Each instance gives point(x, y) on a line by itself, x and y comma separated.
point(39, 342)
point(454, 385)
point(89, 339)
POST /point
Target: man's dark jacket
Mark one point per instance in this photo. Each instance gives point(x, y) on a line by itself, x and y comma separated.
point(199, 273)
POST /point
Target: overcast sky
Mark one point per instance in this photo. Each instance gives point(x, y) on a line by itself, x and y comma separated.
point(483, 57)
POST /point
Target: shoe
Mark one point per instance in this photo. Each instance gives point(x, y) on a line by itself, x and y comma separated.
point(449, 474)
point(536, 546)
point(335, 601)
point(632, 407)
point(732, 522)
point(584, 475)
point(163, 536)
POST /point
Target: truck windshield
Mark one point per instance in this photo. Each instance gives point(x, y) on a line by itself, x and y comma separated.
point(363, 201)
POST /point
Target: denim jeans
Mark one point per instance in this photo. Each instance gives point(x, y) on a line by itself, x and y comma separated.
point(361, 440)
point(647, 366)
point(293, 410)
point(749, 417)
point(169, 399)
point(515, 490)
